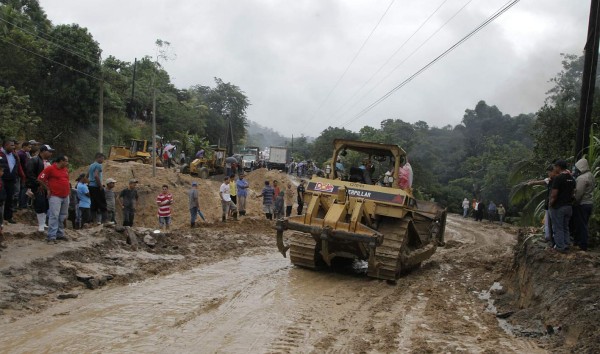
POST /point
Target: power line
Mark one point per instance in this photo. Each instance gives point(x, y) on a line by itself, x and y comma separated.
point(49, 41)
point(502, 10)
point(409, 56)
point(50, 59)
point(389, 59)
point(351, 62)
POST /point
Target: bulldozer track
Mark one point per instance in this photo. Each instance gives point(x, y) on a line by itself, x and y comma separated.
point(303, 250)
point(388, 256)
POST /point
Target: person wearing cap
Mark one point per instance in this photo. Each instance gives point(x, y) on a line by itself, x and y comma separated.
point(98, 208)
point(127, 200)
point(109, 194)
point(242, 193)
point(23, 158)
point(34, 167)
point(561, 205)
point(13, 173)
point(55, 179)
point(300, 191)
point(226, 203)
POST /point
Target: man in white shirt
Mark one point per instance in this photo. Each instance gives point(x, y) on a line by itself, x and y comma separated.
point(226, 202)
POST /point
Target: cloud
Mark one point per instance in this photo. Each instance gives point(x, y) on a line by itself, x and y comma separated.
point(287, 55)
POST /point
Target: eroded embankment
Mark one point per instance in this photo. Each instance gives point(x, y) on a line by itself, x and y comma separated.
point(554, 296)
point(34, 275)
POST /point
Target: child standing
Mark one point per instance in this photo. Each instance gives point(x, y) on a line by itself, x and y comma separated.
point(109, 195)
point(85, 202)
point(164, 201)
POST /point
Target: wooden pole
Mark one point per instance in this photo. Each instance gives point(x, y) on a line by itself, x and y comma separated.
point(101, 112)
point(582, 142)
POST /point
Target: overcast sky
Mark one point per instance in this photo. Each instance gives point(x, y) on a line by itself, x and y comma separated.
point(288, 55)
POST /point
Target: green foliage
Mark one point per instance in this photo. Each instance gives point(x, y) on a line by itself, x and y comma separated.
point(16, 116)
point(300, 148)
point(323, 145)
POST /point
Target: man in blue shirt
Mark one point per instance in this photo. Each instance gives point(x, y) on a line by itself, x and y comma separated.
point(242, 194)
point(98, 207)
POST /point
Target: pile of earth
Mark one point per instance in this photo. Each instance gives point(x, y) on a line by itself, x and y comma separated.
point(179, 185)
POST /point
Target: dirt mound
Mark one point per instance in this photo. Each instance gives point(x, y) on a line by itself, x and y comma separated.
point(179, 185)
point(257, 178)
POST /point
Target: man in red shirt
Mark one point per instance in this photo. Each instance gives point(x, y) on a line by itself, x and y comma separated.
point(164, 201)
point(55, 180)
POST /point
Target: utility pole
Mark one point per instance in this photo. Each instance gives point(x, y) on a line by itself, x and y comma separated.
point(101, 111)
point(229, 136)
point(154, 151)
point(133, 115)
point(582, 142)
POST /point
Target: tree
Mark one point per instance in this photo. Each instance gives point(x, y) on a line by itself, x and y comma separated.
point(16, 117)
point(323, 145)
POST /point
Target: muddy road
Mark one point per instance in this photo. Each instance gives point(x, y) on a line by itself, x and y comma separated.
point(260, 303)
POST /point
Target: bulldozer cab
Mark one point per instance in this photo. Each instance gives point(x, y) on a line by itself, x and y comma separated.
point(367, 163)
point(138, 146)
point(218, 157)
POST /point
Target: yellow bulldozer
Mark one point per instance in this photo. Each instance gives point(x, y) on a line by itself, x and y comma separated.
point(212, 163)
point(364, 215)
point(136, 151)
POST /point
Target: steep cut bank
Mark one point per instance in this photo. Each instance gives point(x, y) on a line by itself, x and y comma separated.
point(554, 296)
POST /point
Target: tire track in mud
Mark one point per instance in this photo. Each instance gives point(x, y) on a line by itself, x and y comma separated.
point(145, 316)
point(293, 336)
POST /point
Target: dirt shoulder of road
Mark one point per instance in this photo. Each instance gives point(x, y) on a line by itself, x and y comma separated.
point(552, 296)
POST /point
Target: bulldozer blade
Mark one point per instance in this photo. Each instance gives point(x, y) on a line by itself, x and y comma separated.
point(280, 246)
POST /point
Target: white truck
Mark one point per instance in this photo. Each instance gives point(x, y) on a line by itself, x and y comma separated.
point(278, 158)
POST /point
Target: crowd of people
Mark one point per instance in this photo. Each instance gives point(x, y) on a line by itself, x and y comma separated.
point(276, 201)
point(32, 177)
point(477, 209)
point(568, 204)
